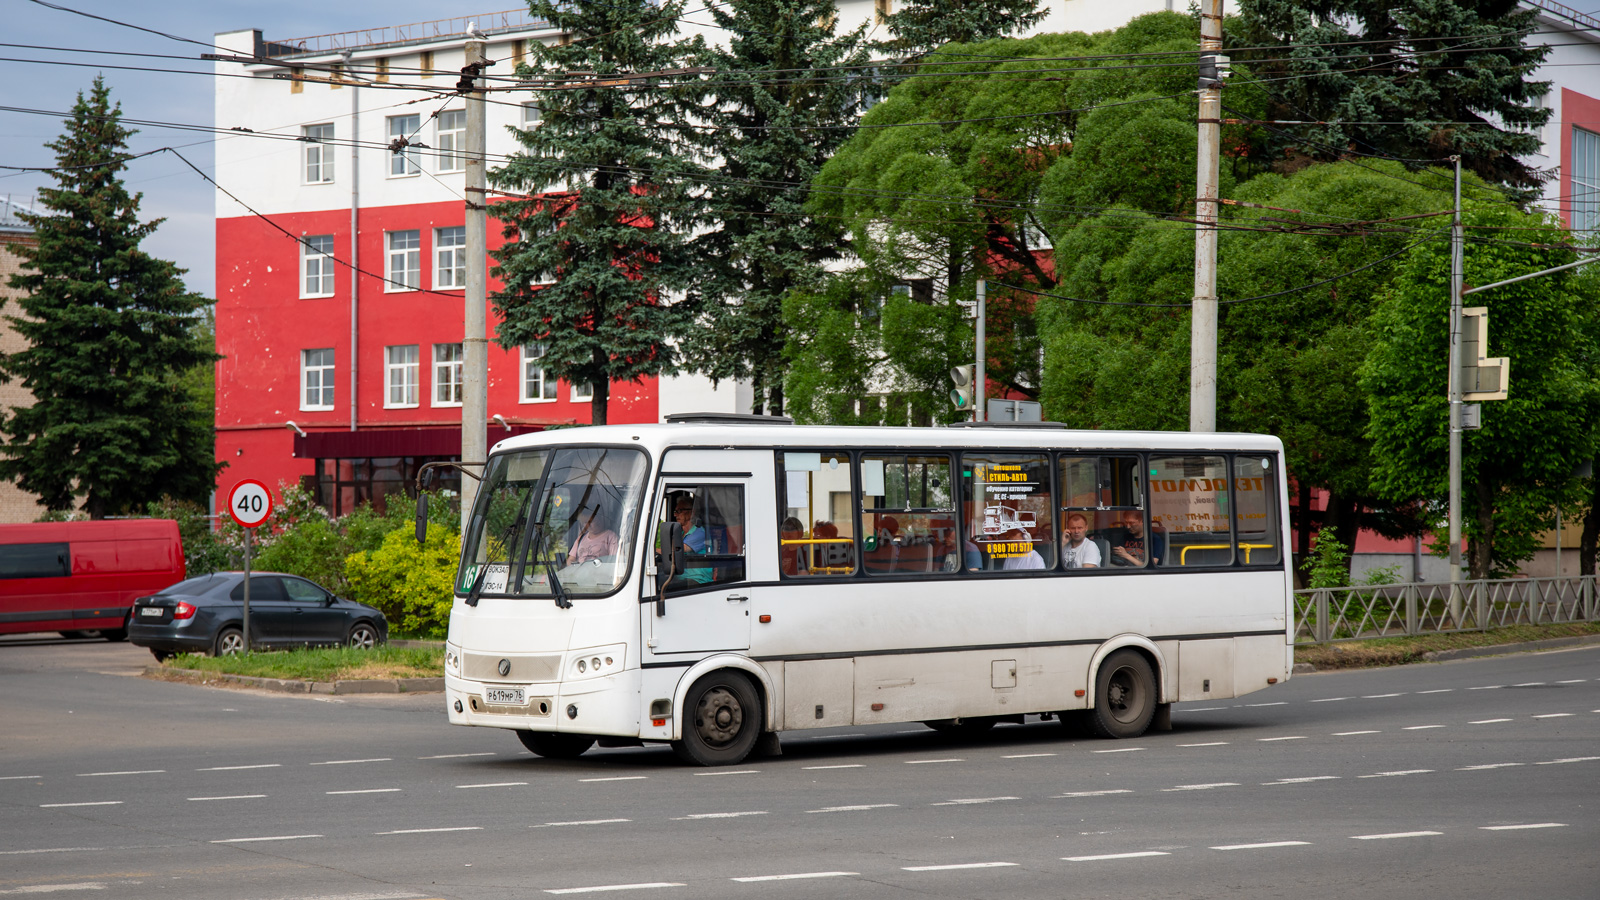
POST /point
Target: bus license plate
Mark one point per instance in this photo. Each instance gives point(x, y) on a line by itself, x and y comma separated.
point(507, 696)
point(150, 611)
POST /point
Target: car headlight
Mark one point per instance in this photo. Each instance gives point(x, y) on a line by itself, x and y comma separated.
point(596, 661)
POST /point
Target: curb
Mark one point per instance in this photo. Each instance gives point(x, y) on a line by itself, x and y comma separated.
point(296, 686)
point(425, 645)
point(1499, 649)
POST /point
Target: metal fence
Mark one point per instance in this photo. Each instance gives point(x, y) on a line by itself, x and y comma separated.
point(1329, 615)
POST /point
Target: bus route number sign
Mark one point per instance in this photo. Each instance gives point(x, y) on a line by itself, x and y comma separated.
point(250, 503)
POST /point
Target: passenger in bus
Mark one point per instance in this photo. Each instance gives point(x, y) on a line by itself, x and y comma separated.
point(694, 540)
point(1029, 560)
point(597, 539)
point(792, 558)
point(1130, 546)
point(1077, 551)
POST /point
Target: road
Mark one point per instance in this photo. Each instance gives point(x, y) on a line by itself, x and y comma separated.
point(1476, 778)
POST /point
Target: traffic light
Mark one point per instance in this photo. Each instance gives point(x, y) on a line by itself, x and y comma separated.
point(1214, 70)
point(966, 379)
point(1481, 378)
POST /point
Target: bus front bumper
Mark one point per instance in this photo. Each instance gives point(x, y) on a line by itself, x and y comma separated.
point(607, 705)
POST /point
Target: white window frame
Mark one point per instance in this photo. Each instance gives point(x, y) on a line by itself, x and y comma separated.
point(447, 374)
point(583, 393)
point(452, 142)
point(536, 390)
point(403, 163)
point(400, 372)
point(317, 158)
point(410, 274)
point(324, 370)
point(450, 259)
point(532, 115)
point(313, 256)
point(1585, 204)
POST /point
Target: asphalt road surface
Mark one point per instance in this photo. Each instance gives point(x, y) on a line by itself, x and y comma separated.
point(1477, 778)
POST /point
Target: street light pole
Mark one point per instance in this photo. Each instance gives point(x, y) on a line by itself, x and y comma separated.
point(1203, 313)
point(475, 344)
point(1455, 389)
point(980, 410)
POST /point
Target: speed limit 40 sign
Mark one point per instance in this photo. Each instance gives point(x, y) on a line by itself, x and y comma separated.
point(250, 503)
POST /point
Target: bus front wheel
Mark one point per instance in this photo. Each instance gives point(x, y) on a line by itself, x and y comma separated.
point(722, 720)
point(1124, 696)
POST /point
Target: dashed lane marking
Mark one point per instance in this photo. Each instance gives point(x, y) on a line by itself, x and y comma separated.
point(1573, 681)
point(1306, 780)
point(1121, 750)
point(734, 772)
point(1489, 766)
point(239, 768)
point(1397, 774)
point(1093, 793)
point(53, 888)
point(1488, 721)
point(793, 877)
point(1026, 755)
point(1522, 827)
point(1420, 727)
point(347, 762)
point(368, 791)
point(232, 797)
point(19, 777)
point(582, 822)
point(1349, 733)
point(455, 755)
point(52, 850)
point(1207, 744)
point(494, 784)
point(1135, 855)
point(1200, 787)
point(1393, 835)
point(1263, 846)
point(280, 837)
point(430, 830)
point(832, 809)
point(1530, 684)
point(1487, 687)
point(1381, 696)
point(724, 815)
point(1204, 709)
point(1292, 737)
point(972, 801)
point(920, 762)
point(1279, 703)
point(1570, 759)
point(135, 772)
point(615, 778)
point(92, 803)
point(1553, 716)
point(952, 866)
point(1437, 691)
point(844, 766)
point(1330, 699)
point(615, 887)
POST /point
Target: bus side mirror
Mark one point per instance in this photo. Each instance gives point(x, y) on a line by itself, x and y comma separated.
point(422, 517)
point(669, 537)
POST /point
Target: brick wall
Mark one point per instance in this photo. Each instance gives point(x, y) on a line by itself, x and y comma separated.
point(15, 505)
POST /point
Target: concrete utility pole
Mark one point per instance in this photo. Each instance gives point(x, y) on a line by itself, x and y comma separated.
point(475, 343)
point(1455, 387)
point(982, 380)
point(1203, 314)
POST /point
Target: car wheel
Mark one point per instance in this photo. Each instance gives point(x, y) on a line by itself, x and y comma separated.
point(723, 719)
point(162, 655)
point(363, 636)
point(555, 745)
point(1124, 696)
point(230, 642)
point(116, 635)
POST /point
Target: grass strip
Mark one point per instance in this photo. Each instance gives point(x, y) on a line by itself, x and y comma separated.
point(329, 664)
point(1395, 651)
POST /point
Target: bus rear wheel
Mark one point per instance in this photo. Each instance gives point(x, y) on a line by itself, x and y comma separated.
point(1124, 696)
point(722, 720)
point(555, 745)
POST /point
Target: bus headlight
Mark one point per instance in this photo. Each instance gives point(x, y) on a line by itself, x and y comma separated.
point(596, 661)
point(452, 659)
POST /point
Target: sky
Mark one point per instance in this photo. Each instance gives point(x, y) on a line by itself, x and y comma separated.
point(171, 191)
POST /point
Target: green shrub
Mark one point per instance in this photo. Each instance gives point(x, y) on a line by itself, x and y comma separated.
point(306, 541)
point(1329, 563)
point(414, 584)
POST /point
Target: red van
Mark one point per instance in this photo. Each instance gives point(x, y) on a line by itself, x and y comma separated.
point(84, 576)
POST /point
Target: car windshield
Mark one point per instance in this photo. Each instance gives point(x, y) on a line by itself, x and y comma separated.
point(569, 512)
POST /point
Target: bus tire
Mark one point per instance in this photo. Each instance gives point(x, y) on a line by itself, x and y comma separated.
point(1124, 696)
point(722, 720)
point(555, 744)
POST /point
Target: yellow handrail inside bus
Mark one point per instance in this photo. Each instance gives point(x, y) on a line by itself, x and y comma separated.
point(1183, 555)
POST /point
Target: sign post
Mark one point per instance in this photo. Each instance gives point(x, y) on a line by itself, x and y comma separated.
point(250, 503)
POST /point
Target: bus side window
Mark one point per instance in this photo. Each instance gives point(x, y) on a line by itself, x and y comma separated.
point(1255, 516)
point(907, 517)
point(1189, 511)
point(712, 517)
point(816, 531)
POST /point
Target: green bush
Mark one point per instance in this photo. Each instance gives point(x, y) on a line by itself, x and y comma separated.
point(414, 584)
point(306, 541)
point(1329, 563)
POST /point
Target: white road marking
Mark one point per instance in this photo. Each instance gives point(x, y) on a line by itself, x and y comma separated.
point(827, 809)
point(18, 777)
point(1573, 681)
point(1116, 856)
point(1437, 691)
point(346, 762)
point(583, 822)
point(1093, 793)
point(136, 772)
point(1380, 696)
point(1263, 846)
point(1330, 699)
point(52, 888)
point(1207, 744)
point(1349, 733)
point(1026, 755)
point(1397, 834)
point(1205, 709)
point(1397, 774)
point(368, 791)
point(430, 830)
point(975, 800)
point(1489, 766)
point(51, 850)
point(95, 803)
point(615, 887)
point(1521, 827)
point(798, 875)
point(232, 797)
point(1553, 716)
point(1488, 721)
point(1279, 703)
point(735, 772)
point(455, 755)
point(1420, 727)
point(615, 778)
point(844, 766)
point(237, 768)
point(1530, 684)
point(281, 837)
point(1121, 750)
point(918, 762)
point(1306, 780)
point(494, 784)
point(727, 815)
point(1571, 759)
point(1293, 737)
point(1200, 787)
point(983, 865)
point(1487, 687)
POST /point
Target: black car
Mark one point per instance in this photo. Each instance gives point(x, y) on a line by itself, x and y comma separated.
point(206, 615)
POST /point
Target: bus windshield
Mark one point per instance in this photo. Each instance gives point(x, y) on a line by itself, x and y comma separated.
point(554, 522)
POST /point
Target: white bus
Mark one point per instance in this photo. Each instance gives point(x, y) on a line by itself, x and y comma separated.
point(827, 576)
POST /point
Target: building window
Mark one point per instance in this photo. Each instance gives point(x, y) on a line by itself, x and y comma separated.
point(582, 393)
point(538, 385)
point(881, 10)
point(446, 374)
point(1585, 180)
point(405, 261)
point(531, 115)
point(403, 161)
point(316, 263)
point(316, 377)
point(426, 64)
point(452, 144)
point(450, 249)
point(319, 153)
point(401, 376)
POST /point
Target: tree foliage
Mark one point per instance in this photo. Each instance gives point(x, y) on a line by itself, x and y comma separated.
point(918, 26)
point(111, 339)
point(591, 259)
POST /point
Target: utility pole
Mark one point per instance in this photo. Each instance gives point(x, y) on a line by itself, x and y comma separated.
point(1455, 388)
point(475, 343)
point(1203, 313)
point(981, 382)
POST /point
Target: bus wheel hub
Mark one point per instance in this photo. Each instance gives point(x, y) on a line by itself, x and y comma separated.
point(719, 715)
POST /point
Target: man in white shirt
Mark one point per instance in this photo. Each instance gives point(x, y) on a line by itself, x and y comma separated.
point(1077, 551)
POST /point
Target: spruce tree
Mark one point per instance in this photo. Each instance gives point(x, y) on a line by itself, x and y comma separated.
point(1418, 80)
point(111, 335)
point(594, 256)
point(779, 103)
point(922, 25)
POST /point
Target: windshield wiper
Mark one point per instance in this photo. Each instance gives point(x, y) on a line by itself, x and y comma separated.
point(477, 586)
point(540, 558)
